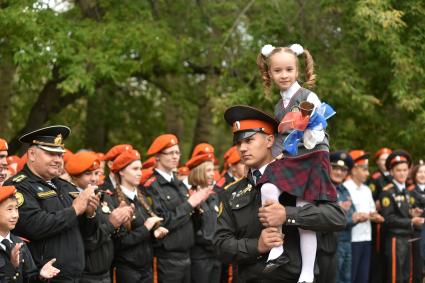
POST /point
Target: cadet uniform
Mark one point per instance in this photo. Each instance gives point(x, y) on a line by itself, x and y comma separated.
point(395, 204)
point(169, 198)
point(47, 217)
point(239, 227)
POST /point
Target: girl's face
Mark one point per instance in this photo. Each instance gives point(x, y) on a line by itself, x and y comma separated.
point(420, 175)
point(131, 174)
point(283, 69)
point(209, 172)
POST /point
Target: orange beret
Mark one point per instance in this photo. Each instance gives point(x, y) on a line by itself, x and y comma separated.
point(125, 158)
point(100, 156)
point(202, 148)
point(3, 145)
point(183, 171)
point(151, 162)
point(360, 157)
point(22, 162)
point(162, 142)
point(233, 158)
point(81, 162)
point(146, 174)
point(67, 155)
point(384, 150)
point(196, 160)
point(229, 152)
point(6, 192)
point(12, 159)
point(117, 150)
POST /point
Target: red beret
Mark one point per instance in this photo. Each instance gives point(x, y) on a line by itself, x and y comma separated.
point(100, 155)
point(81, 162)
point(22, 162)
point(117, 150)
point(233, 158)
point(146, 174)
point(183, 171)
point(229, 152)
point(196, 160)
point(383, 150)
point(12, 159)
point(202, 148)
point(3, 145)
point(162, 142)
point(6, 192)
point(125, 158)
point(360, 157)
point(67, 155)
point(151, 162)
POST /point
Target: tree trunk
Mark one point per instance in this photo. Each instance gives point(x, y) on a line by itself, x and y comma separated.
point(7, 72)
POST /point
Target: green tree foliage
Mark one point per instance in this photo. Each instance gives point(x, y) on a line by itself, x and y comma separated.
point(126, 71)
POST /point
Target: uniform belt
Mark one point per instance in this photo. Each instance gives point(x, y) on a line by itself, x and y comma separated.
point(96, 276)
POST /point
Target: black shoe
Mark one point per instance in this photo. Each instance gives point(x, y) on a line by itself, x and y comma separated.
point(275, 263)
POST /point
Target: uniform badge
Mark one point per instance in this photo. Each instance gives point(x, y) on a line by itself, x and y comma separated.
point(372, 187)
point(149, 200)
point(74, 194)
point(412, 201)
point(105, 208)
point(216, 208)
point(220, 209)
point(20, 198)
point(19, 178)
point(386, 202)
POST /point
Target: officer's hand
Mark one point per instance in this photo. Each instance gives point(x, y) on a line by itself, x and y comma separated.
point(376, 217)
point(151, 221)
point(359, 217)
point(120, 215)
point(15, 255)
point(160, 232)
point(80, 203)
point(200, 196)
point(270, 237)
point(417, 221)
point(272, 214)
point(48, 271)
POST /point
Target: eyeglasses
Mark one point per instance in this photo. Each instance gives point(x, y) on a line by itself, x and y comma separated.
point(171, 153)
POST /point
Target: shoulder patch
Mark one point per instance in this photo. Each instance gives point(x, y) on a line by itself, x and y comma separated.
point(233, 183)
point(19, 178)
point(20, 198)
point(220, 183)
point(388, 187)
point(150, 181)
point(376, 175)
point(386, 201)
point(411, 188)
point(220, 209)
point(372, 187)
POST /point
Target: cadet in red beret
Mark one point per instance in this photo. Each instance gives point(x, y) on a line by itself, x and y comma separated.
point(172, 202)
point(109, 182)
point(183, 174)
point(133, 246)
point(147, 169)
point(203, 148)
point(14, 251)
point(204, 265)
point(399, 221)
point(381, 176)
point(82, 167)
point(3, 161)
point(64, 175)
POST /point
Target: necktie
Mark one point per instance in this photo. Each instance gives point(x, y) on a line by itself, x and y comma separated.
point(50, 183)
point(257, 175)
point(8, 246)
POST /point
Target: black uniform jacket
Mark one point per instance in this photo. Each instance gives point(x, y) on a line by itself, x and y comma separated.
point(26, 270)
point(48, 220)
point(169, 201)
point(239, 228)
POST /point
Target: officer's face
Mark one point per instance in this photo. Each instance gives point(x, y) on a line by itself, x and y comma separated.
point(338, 174)
point(168, 159)
point(420, 175)
point(87, 178)
point(132, 174)
point(9, 214)
point(360, 173)
point(400, 172)
point(238, 170)
point(381, 162)
point(255, 150)
point(46, 164)
point(283, 69)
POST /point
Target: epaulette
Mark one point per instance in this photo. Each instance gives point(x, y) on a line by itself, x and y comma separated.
point(220, 183)
point(19, 178)
point(376, 175)
point(24, 239)
point(149, 181)
point(232, 183)
point(388, 187)
point(411, 188)
point(66, 181)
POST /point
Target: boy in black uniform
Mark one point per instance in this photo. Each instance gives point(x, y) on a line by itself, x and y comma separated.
point(53, 221)
point(246, 231)
point(399, 223)
point(171, 201)
point(16, 263)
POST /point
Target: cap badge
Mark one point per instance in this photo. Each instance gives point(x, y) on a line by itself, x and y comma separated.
point(58, 140)
point(237, 125)
point(343, 156)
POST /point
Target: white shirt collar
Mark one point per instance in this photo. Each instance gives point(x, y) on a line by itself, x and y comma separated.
point(166, 176)
point(261, 169)
point(421, 187)
point(289, 93)
point(186, 182)
point(1, 239)
point(129, 193)
point(399, 185)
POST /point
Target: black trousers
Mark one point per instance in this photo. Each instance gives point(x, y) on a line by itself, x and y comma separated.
point(104, 278)
point(173, 270)
point(327, 267)
point(206, 270)
point(397, 258)
point(125, 274)
point(377, 260)
point(418, 262)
